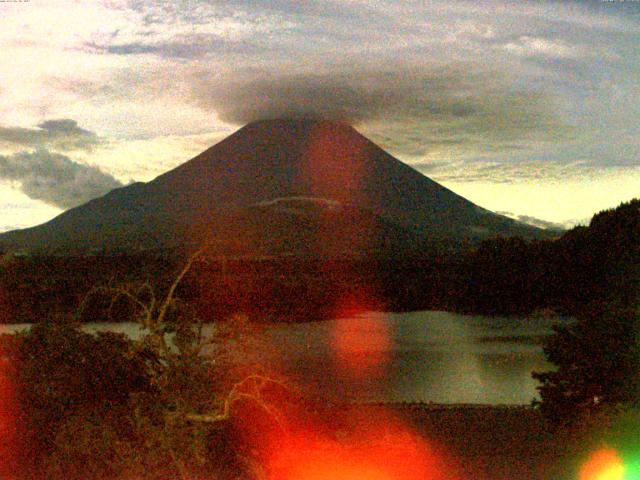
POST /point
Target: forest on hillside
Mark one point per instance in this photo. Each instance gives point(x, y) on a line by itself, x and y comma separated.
point(502, 276)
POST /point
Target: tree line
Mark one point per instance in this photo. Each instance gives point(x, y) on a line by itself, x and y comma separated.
point(501, 276)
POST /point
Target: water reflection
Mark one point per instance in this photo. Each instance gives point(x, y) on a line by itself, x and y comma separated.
point(430, 356)
point(435, 357)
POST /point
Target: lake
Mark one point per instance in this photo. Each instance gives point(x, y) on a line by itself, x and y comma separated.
point(423, 356)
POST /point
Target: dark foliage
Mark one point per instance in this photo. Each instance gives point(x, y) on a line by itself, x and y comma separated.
point(597, 359)
point(106, 407)
point(503, 276)
point(597, 356)
point(61, 373)
point(586, 267)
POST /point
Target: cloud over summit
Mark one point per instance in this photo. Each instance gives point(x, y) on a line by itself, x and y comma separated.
point(413, 108)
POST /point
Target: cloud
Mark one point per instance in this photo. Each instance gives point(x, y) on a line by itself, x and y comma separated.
point(427, 167)
point(512, 167)
point(183, 48)
point(537, 222)
point(122, 69)
point(170, 30)
point(527, 46)
point(559, 73)
point(409, 109)
point(55, 179)
point(61, 134)
point(10, 227)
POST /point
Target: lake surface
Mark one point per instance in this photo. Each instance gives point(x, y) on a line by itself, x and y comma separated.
point(419, 356)
point(430, 356)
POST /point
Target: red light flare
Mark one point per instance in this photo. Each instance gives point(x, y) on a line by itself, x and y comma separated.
point(291, 438)
point(297, 444)
point(361, 339)
point(290, 443)
point(333, 163)
point(333, 166)
point(8, 418)
point(380, 450)
point(604, 464)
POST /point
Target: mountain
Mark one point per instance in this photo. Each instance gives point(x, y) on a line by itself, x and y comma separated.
point(276, 187)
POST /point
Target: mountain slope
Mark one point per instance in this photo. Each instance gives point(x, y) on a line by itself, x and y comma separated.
point(275, 187)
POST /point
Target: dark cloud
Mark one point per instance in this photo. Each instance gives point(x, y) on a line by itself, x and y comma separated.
point(407, 109)
point(160, 12)
point(191, 46)
point(134, 48)
point(55, 179)
point(61, 134)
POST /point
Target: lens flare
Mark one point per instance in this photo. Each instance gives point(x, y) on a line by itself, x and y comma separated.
point(8, 414)
point(375, 455)
point(361, 339)
point(604, 464)
point(361, 345)
point(324, 461)
point(293, 440)
point(334, 165)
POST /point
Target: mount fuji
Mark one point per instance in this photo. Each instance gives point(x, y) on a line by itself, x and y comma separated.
point(276, 188)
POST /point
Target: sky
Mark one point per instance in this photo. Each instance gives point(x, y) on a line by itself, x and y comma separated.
point(530, 109)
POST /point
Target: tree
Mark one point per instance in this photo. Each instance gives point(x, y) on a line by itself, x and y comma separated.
point(597, 359)
point(177, 429)
point(106, 406)
point(60, 373)
point(598, 355)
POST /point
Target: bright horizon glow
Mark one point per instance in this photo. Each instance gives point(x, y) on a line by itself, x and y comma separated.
point(570, 203)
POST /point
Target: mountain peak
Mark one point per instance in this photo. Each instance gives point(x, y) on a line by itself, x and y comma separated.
point(300, 126)
point(383, 201)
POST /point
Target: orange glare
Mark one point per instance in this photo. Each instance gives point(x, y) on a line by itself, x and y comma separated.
point(604, 464)
point(334, 164)
point(8, 425)
point(361, 338)
point(295, 441)
point(364, 457)
point(361, 345)
point(326, 462)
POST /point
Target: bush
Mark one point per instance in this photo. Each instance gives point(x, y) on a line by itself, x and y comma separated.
point(108, 407)
point(59, 373)
point(597, 359)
